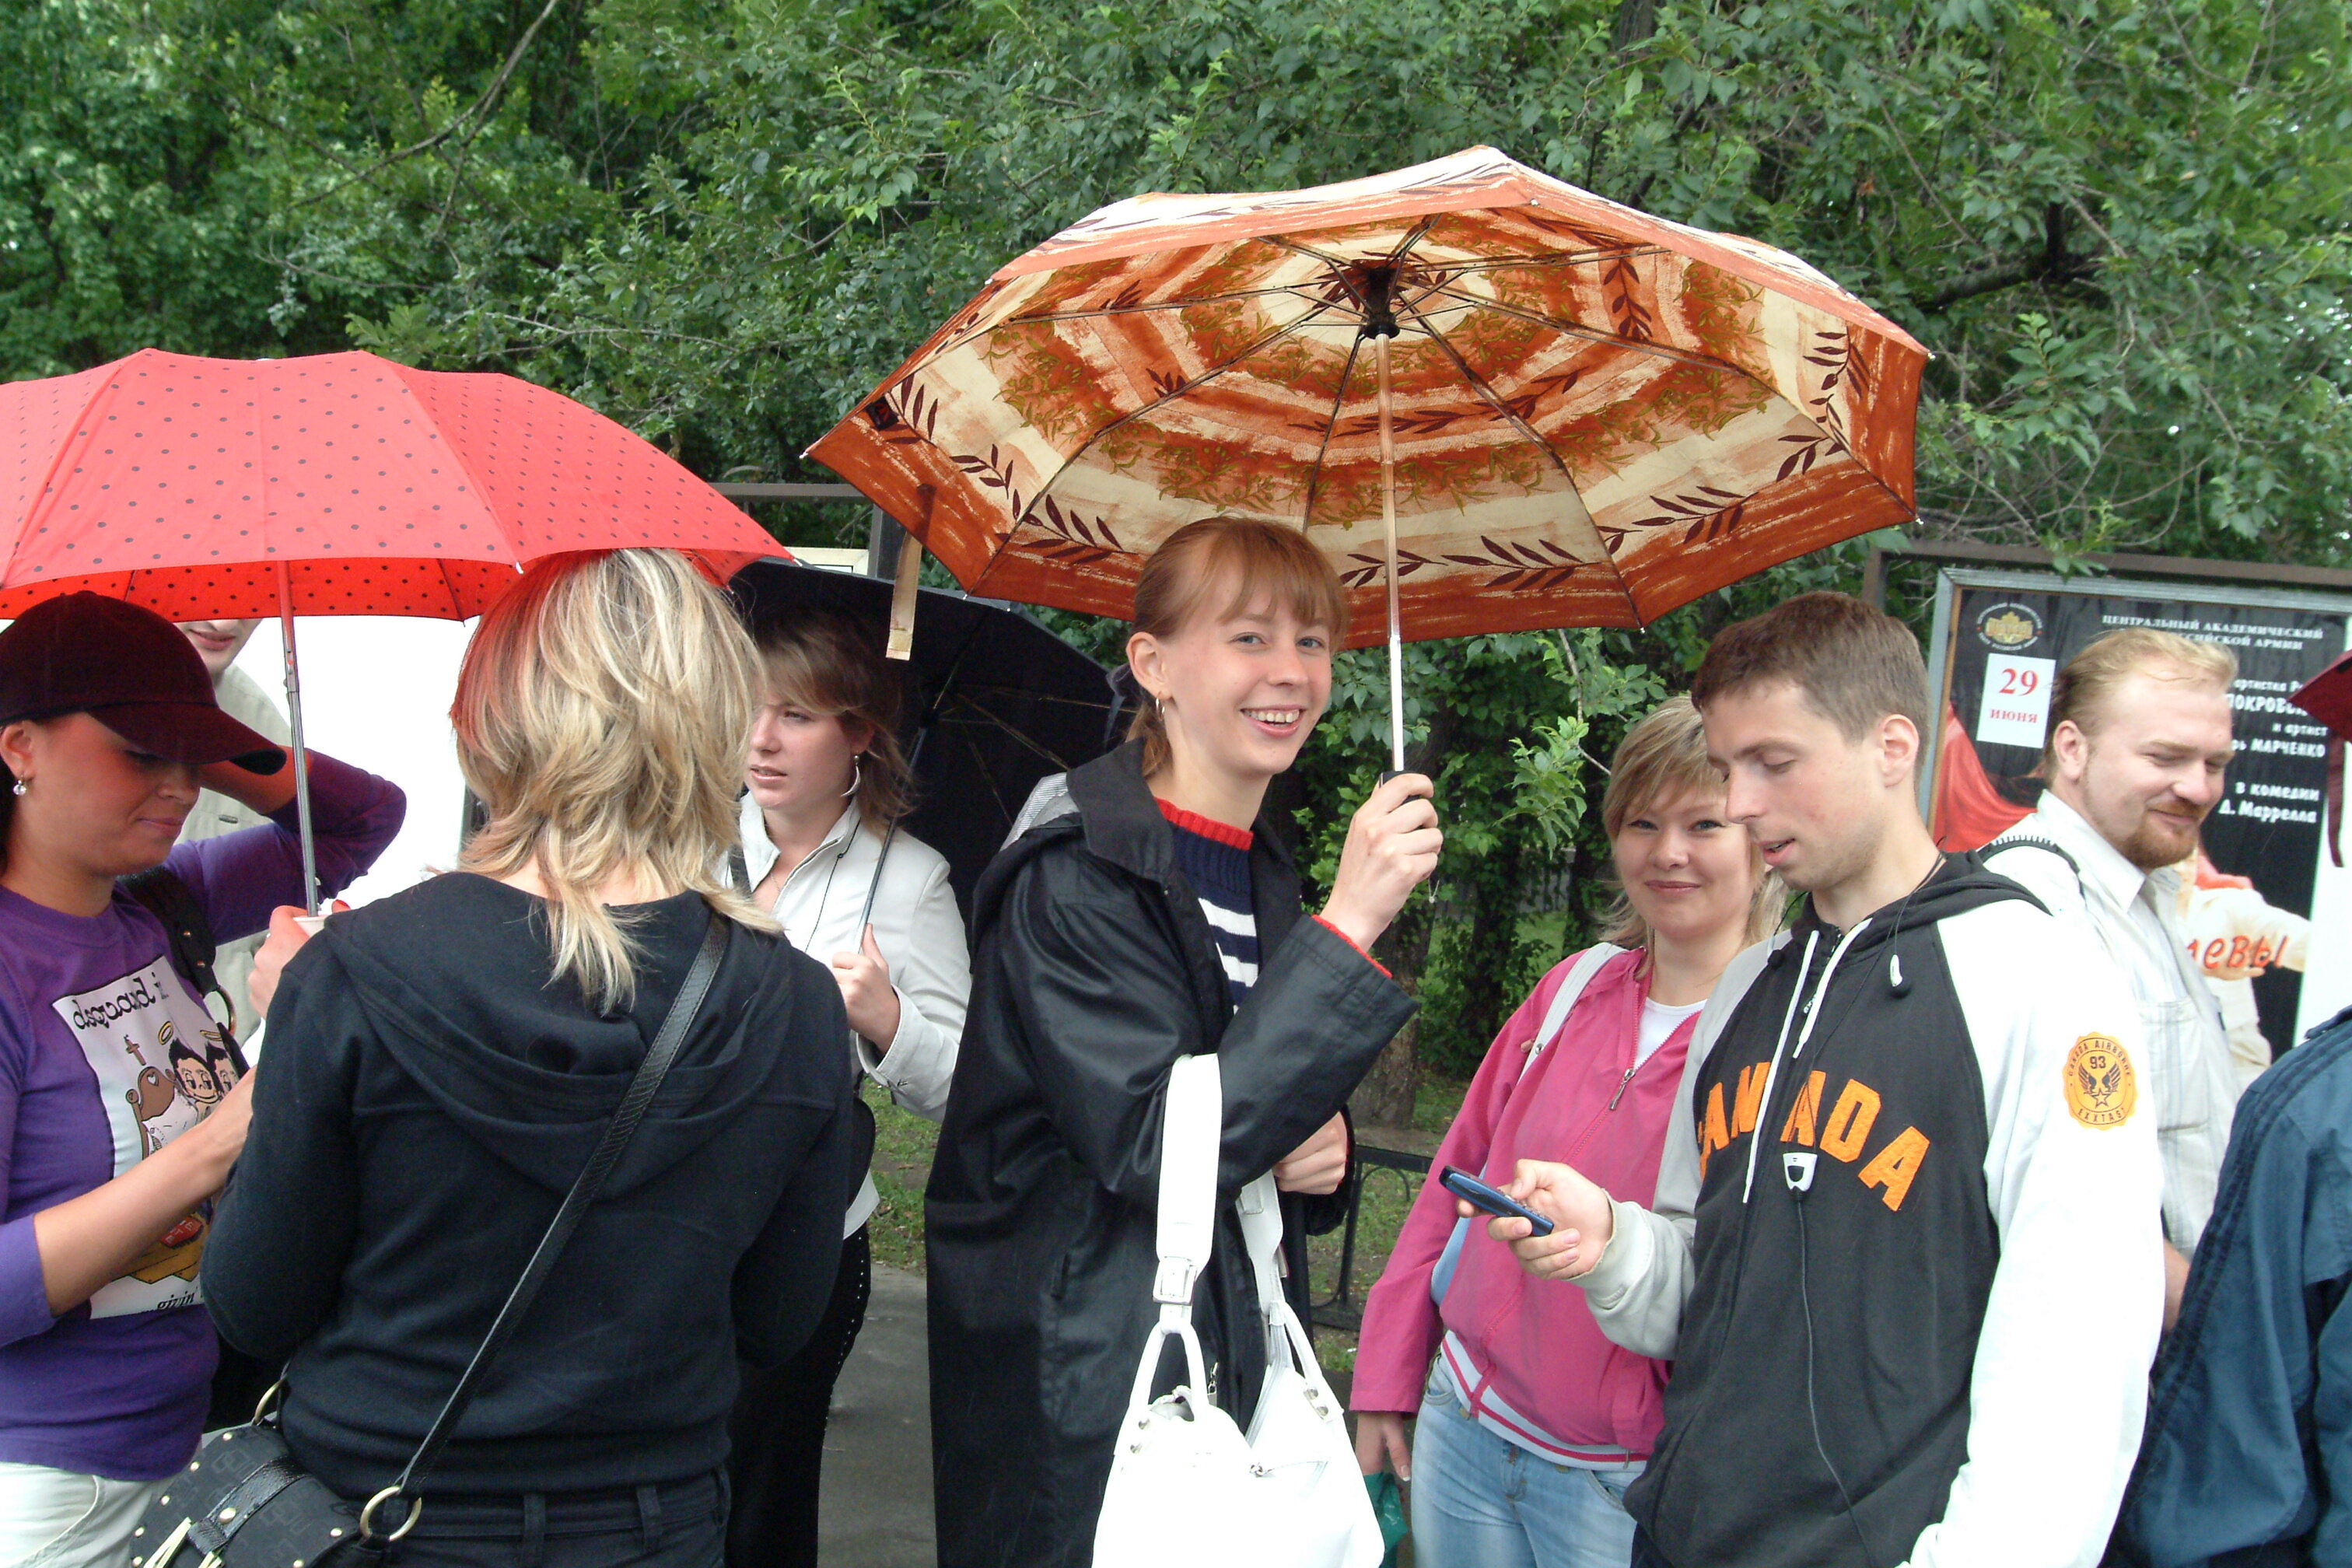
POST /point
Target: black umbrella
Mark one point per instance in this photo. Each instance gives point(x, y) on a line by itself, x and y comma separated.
point(996, 702)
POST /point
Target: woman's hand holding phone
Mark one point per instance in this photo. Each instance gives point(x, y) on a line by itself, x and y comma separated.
point(1392, 847)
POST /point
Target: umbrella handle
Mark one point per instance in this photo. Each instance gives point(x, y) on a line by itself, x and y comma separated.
point(900, 644)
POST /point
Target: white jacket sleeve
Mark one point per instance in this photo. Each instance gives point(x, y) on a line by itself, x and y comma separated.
point(930, 968)
point(2060, 1385)
point(1638, 1289)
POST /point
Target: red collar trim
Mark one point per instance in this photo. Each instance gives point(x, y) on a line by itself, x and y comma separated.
point(1207, 828)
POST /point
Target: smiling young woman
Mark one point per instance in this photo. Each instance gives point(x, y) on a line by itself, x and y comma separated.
point(114, 1130)
point(1148, 912)
point(1501, 1367)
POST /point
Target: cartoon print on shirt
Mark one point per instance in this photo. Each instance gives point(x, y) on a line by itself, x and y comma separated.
point(151, 1094)
point(141, 1035)
point(198, 1081)
point(216, 1058)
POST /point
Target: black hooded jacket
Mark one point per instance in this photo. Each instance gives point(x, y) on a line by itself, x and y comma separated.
point(1094, 970)
point(425, 1100)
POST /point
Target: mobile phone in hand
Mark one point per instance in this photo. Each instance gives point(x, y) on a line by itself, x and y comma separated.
point(1478, 1195)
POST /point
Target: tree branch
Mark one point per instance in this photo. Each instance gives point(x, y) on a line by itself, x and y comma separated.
point(477, 113)
point(2053, 264)
point(1983, 281)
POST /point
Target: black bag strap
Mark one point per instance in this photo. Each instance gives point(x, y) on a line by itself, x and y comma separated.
point(608, 1153)
point(2027, 841)
point(189, 932)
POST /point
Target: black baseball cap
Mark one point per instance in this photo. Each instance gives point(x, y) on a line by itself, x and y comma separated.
point(131, 670)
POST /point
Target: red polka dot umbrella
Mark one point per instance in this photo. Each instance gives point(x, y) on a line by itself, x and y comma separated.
point(335, 484)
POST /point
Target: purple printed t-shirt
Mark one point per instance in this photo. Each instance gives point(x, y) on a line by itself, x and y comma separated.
point(105, 1056)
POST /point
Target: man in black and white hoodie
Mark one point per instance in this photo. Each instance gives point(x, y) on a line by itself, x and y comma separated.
point(1904, 1248)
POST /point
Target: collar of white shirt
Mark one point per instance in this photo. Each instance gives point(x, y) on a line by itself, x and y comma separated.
point(2102, 864)
point(760, 851)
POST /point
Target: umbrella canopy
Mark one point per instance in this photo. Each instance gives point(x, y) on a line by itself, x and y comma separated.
point(185, 484)
point(2327, 697)
point(338, 484)
point(1591, 415)
point(998, 703)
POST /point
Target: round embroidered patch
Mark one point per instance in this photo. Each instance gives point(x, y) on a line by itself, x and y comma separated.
point(2100, 1088)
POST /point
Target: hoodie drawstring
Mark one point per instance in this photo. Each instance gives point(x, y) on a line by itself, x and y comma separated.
point(1756, 1136)
point(1812, 1016)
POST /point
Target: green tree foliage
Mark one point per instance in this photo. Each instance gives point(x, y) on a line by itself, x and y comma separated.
point(2117, 223)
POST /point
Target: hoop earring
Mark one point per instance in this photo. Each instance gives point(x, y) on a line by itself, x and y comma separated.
point(857, 773)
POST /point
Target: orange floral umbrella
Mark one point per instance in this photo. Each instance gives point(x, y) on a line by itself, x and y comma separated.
point(1496, 401)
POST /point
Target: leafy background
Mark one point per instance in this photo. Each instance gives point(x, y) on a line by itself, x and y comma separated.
point(2118, 223)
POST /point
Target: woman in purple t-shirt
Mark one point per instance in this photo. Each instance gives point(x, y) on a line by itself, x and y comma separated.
point(116, 1125)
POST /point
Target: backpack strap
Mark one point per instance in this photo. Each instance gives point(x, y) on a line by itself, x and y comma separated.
point(1563, 1000)
point(190, 936)
point(2027, 841)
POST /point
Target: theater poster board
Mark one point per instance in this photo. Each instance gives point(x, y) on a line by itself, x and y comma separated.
point(2267, 909)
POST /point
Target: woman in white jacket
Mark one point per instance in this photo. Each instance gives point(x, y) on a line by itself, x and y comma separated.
point(825, 784)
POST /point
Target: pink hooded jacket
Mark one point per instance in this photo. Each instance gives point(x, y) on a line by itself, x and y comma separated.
point(1534, 1343)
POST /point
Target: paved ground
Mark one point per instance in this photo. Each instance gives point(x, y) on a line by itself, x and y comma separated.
point(875, 1511)
point(877, 1506)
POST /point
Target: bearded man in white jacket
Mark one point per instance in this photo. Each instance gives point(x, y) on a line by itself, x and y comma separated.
point(2138, 744)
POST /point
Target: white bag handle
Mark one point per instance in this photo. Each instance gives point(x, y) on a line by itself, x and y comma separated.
point(1192, 1135)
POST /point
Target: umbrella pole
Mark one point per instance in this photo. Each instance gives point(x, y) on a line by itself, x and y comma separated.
point(301, 751)
point(1388, 523)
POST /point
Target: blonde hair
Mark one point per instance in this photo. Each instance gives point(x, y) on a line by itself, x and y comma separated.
point(603, 715)
point(1660, 759)
point(2080, 693)
point(825, 665)
point(1256, 560)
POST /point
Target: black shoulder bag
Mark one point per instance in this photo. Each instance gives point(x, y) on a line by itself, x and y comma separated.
point(245, 1503)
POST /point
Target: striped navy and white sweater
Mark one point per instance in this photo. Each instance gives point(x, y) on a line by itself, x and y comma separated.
point(1214, 858)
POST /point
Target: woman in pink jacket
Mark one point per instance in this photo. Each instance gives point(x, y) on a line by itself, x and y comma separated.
point(1532, 1424)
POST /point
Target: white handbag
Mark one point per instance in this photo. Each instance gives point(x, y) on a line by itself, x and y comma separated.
point(1186, 1487)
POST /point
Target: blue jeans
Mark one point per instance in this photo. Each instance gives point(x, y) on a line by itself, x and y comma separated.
point(1481, 1502)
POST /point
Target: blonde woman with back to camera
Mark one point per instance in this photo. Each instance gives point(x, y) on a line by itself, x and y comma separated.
point(825, 788)
point(1532, 1424)
point(444, 1061)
